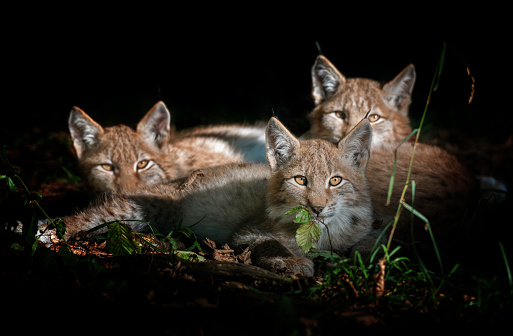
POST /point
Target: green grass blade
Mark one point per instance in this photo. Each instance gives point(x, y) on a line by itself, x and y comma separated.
point(428, 226)
point(440, 67)
point(508, 270)
point(392, 177)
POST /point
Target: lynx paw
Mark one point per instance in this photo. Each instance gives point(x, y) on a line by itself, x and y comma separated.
point(290, 266)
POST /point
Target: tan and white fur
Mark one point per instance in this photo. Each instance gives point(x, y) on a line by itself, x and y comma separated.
point(251, 199)
point(247, 139)
point(117, 157)
point(341, 102)
point(327, 179)
point(443, 185)
point(245, 204)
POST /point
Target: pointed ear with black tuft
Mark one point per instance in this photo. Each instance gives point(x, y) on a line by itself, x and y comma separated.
point(85, 132)
point(281, 144)
point(155, 126)
point(357, 144)
point(398, 90)
point(325, 79)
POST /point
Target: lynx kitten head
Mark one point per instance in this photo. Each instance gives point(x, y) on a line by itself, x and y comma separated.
point(342, 102)
point(327, 179)
point(117, 157)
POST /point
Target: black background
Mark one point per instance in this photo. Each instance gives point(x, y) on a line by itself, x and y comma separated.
point(213, 65)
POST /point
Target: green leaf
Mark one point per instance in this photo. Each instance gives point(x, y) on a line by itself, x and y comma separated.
point(189, 255)
point(10, 184)
point(303, 217)
point(17, 247)
point(296, 209)
point(120, 240)
point(307, 236)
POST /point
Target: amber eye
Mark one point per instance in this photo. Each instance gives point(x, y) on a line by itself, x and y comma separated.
point(374, 117)
point(143, 164)
point(335, 180)
point(107, 167)
point(301, 180)
point(341, 114)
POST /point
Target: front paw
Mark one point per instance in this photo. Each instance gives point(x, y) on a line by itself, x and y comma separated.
point(292, 266)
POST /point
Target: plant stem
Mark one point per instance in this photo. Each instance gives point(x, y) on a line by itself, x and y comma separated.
point(434, 86)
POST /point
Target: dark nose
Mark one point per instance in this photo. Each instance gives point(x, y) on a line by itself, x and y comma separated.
point(317, 209)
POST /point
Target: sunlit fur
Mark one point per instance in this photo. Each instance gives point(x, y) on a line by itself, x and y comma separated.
point(346, 208)
point(244, 204)
point(119, 148)
point(249, 140)
point(444, 186)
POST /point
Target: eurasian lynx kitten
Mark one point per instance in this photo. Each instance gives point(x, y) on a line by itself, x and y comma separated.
point(342, 102)
point(327, 179)
point(118, 157)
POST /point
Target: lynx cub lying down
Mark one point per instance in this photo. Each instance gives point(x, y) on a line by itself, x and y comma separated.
point(245, 204)
point(117, 157)
point(340, 103)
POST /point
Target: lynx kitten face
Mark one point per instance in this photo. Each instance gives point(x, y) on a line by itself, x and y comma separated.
point(327, 179)
point(120, 158)
point(342, 102)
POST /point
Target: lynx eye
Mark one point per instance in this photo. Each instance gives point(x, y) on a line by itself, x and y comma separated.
point(341, 114)
point(143, 164)
point(335, 181)
point(107, 167)
point(374, 117)
point(301, 180)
